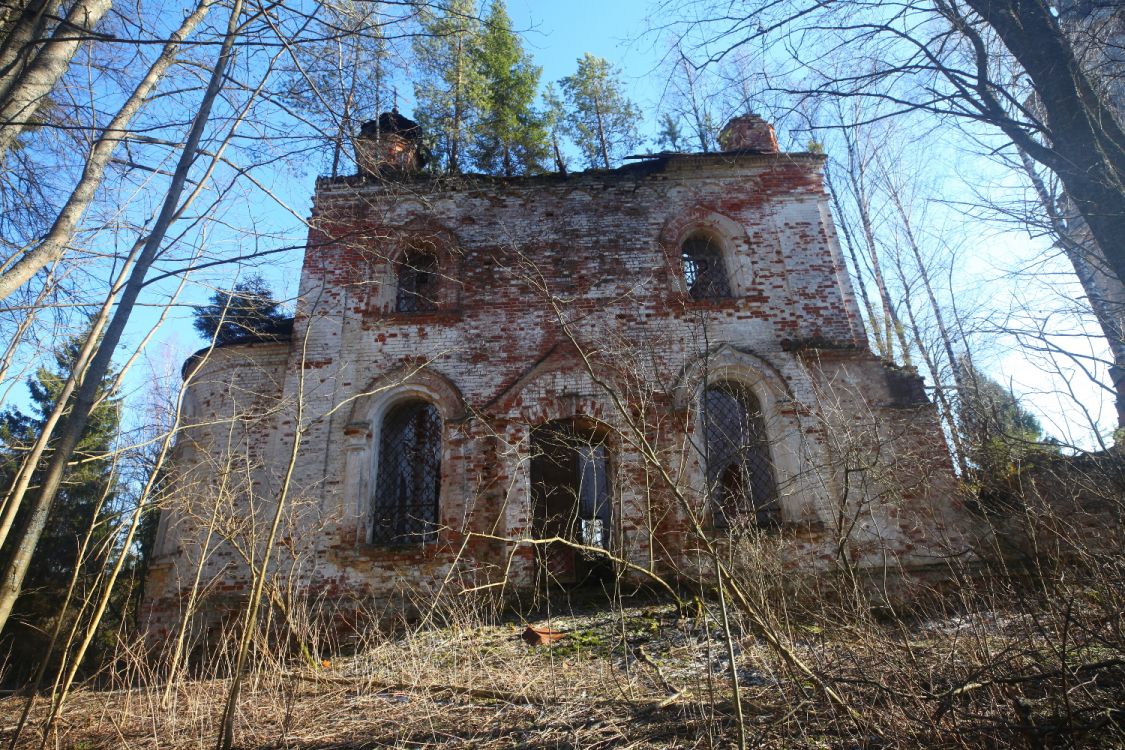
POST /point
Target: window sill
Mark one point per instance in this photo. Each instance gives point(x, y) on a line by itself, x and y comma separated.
point(422, 316)
point(403, 550)
point(715, 303)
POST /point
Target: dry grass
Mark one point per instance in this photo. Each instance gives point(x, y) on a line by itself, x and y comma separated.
point(642, 676)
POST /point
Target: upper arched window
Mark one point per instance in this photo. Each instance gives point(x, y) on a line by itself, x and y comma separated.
point(404, 509)
point(740, 477)
point(704, 270)
point(417, 283)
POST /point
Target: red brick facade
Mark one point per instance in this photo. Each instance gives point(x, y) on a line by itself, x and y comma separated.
point(556, 298)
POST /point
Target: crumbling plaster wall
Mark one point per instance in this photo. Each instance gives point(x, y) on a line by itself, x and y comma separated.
point(599, 252)
point(224, 476)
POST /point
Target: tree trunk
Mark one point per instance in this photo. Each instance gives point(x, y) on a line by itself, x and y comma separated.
point(24, 94)
point(458, 111)
point(1104, 291)
point(601, 134)
point(924, 272)
point(12, 580)
point(144, 503)
point(16, 49)
point(560, 163)
point(57, 239)
point(702, 132)
point(19, 487)
point(892, 325)
point(60, 621)
point(849, 242)
point(1087, 145)
point(62, 231)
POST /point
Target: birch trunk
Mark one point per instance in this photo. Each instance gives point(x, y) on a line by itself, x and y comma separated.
point(892, 324)
point(846, 229)
point(53, 246)
point(16, 48)
point(71, 431)
point(24, 93)
point(1104, 291)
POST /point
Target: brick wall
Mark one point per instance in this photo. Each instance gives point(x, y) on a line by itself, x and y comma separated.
point(560, 297)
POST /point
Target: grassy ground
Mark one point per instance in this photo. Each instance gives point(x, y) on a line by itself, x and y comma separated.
point(644, 676)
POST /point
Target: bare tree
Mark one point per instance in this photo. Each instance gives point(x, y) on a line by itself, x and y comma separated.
point(99, 362)
point(61, 234)
point(938, 57)
point(34, 55)
point(1011, 66)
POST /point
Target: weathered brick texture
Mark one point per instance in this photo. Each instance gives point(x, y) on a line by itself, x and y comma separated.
point(560, 297)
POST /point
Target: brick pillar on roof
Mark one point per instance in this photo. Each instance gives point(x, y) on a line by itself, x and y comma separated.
point(748, 133)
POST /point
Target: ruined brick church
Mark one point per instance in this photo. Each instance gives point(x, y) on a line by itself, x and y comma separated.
point(505, 384)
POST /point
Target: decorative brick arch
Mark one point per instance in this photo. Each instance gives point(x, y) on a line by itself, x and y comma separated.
point(405, 383)
point(402, 383)
point(728, 362)
point(563, 362)
point(730, 235)
point(418, 235)
point(788, 450)
point(557, 388)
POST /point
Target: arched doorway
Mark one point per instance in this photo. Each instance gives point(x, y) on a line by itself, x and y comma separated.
point(571, 501)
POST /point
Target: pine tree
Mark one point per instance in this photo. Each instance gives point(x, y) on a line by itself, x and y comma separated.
point(671, 136)
point(87, 496)
point(244, 313)
point(554, 120)
point(602, 120)
point(510, 136)
point(448, 89)
point(991, 413)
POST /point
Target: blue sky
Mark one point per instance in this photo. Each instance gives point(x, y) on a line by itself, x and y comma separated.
point(557, 34)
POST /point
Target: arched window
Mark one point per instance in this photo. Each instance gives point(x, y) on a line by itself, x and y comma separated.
point(404, 509)
point(417, 283)
point(740, 475)
point(704, 270)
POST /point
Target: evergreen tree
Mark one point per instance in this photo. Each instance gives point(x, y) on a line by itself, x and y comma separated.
point(554, 121)
point(448, 89)
point(510, 136)
point(602, 120)
point(246, 312)
point(671, 135)
point(990, 412)
point(87, 496)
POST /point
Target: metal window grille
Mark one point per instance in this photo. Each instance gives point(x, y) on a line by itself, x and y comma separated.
point(740, 476)
point(703, 268)
point(404, 509)
point(417, 283)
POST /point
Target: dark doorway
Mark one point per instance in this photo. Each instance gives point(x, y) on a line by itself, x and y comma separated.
point(570, 500)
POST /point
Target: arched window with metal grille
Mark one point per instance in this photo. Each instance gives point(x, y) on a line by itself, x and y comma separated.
point(418, 279)
point(404, 509)
point(741, 483)
point(704, 270)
